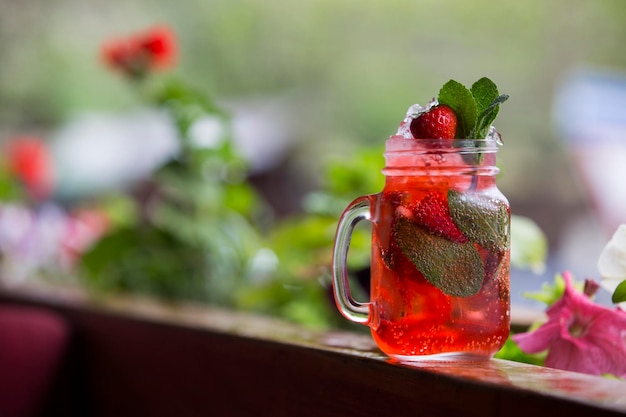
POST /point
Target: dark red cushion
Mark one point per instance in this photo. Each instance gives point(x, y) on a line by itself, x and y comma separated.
point(32, 342)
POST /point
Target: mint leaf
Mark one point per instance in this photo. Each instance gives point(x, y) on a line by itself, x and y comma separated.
point(487, 117)
point(461, 100)
point(455, 268)
point(619, 295)
point(487, 99)
point(484, 92)
point(482, 219)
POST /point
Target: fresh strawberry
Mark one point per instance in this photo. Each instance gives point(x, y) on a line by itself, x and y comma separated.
point(433, 213)
point(437, 123)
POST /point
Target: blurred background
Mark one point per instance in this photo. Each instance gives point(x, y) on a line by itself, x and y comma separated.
point(316, 81)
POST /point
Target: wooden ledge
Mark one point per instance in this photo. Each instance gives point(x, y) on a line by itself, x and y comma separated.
point(138, 357)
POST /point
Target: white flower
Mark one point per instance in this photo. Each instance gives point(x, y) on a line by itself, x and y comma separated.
point(612, 261)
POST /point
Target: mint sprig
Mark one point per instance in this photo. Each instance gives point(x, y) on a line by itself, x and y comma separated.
point(475, 108)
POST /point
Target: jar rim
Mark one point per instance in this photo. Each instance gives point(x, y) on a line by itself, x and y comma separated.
point(401, 144)
point(440, 157)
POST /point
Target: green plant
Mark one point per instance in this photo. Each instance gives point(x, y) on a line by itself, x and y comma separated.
point(190, 232)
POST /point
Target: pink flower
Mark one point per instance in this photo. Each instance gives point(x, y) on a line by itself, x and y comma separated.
point(580, 335)
point(83, 227)
point(138, 54)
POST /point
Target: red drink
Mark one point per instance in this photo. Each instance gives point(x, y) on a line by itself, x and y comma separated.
point(411, 315)
point(440, 252)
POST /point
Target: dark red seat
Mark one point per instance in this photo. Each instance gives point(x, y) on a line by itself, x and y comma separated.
point(32, 343)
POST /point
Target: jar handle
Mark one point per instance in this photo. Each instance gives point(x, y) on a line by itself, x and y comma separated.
point(359, 209)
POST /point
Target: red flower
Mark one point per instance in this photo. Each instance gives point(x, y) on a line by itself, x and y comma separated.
point(138, 54)
point(29, 160)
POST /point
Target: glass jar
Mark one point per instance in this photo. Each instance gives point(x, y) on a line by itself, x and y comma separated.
point(440, 252)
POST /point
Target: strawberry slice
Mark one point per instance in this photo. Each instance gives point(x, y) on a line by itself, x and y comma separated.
point(433, 213)
point(438, 123)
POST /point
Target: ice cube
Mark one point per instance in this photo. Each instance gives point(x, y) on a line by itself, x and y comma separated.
point(404, 130)
point(495, 135)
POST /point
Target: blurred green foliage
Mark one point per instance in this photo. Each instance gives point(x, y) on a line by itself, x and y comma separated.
point(300, 289)
point(10, 187)
point(194, 229)
point(348, 67)
point(190, 231)
point(529, 245)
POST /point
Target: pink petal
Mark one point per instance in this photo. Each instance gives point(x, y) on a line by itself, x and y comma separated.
point(591, 360)
point(566, 356)
point(597, 347)
point(538, 340)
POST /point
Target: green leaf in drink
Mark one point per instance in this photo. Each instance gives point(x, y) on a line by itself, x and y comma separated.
point(482, 219)
point(455, 268)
